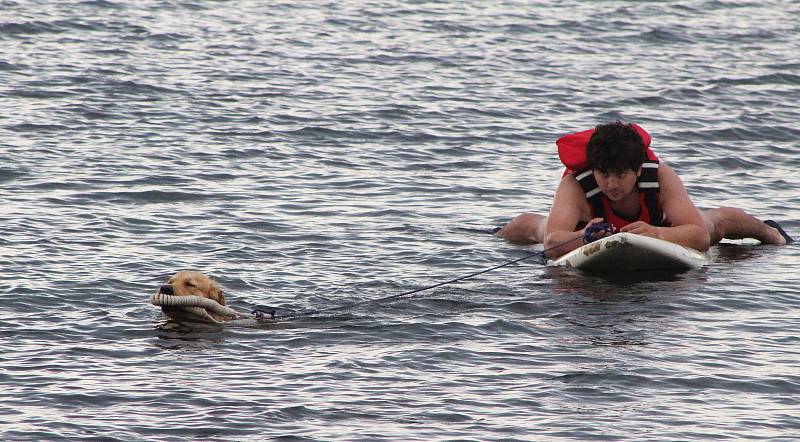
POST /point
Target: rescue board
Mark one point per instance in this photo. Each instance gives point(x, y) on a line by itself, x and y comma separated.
point(628, 251)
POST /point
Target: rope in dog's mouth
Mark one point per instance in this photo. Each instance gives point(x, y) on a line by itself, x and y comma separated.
point(198, 307)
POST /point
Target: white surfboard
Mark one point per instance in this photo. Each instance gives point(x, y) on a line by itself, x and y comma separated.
point(628, 251)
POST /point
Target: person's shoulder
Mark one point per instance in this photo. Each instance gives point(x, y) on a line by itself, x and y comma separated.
point(666, 173)
point(669, 181)
point(664, 167)
point(569, 183)
point(569, 177)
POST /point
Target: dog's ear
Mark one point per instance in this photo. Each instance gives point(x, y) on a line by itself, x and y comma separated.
point(220, 295)
point(216, 290)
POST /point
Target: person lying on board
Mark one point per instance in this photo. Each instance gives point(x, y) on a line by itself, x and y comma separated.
point(612, 176)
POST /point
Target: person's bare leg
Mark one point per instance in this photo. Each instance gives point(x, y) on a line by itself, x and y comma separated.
point(526, 228)
point(733, 223)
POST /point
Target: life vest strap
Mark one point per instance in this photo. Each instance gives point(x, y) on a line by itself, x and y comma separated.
point(592, 191)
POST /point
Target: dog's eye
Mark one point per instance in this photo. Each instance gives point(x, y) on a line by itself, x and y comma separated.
point(190, 284)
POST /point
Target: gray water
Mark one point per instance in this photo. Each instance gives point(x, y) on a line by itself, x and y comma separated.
point(315, 154)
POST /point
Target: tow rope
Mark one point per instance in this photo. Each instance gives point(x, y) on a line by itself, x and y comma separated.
point(198, 307)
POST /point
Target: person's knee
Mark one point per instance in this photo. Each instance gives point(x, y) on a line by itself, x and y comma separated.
point(525, 220)
point(733, 223)
point(524, 227)
point(528, 218)
point(711, 226)
point(721, 220)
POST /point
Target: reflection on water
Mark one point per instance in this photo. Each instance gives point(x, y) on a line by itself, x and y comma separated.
point(620, 309)
point(623, 285)
point(727, 253)
point(177, 335)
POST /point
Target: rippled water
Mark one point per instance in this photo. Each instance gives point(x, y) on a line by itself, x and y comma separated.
point(313, 154)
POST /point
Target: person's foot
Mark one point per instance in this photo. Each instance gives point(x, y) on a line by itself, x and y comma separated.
point(783, 237)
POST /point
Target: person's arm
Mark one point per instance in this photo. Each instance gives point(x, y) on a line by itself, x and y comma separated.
point(569, 208)
point(688, 228)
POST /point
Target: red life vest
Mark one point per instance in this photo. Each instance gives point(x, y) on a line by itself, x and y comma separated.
point(572, 148)
point(617, 221)
point(572, 153)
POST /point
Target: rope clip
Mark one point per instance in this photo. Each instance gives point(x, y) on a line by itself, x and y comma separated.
point(588, 235)
point(262, 315)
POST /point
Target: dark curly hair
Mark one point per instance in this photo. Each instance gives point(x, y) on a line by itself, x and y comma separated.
point(614, 148)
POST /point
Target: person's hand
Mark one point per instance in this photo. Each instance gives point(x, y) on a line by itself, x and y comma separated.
point(642, 228)
point(596, 234)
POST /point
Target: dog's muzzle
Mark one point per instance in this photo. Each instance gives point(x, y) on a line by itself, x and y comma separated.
point(166, 289)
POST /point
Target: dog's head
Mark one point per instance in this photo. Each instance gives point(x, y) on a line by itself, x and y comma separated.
point(191, 283)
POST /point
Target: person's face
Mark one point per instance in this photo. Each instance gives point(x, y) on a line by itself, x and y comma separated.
point(616, 186)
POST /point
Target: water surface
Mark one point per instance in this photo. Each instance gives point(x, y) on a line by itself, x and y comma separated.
point(320, 153)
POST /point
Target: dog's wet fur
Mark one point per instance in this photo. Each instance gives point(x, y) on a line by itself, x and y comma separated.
point(192, 283)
